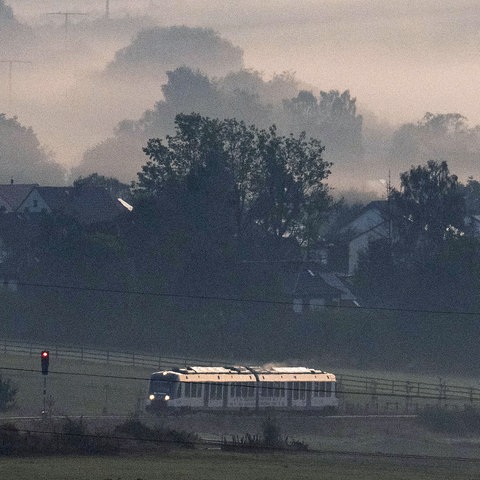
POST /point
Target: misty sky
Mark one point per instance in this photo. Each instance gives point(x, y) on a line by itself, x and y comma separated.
point(400, 59)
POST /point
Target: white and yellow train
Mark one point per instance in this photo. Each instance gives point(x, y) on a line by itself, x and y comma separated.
point(235, 388)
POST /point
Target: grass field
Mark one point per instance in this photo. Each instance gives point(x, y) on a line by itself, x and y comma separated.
point(75, 388)
point(88, 388)
point(207, 465)
point(92, 389)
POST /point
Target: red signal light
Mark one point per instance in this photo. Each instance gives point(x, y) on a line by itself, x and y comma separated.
point(45, 361)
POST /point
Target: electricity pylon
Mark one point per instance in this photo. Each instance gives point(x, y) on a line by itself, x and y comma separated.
point(66, 15)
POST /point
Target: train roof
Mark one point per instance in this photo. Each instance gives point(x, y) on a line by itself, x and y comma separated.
point(246, 374)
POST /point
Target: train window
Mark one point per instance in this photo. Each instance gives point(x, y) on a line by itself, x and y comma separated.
point(302, 390)
point(194, 389)
point(251, 390)
point(308, 388)
point(199, 390)
point(244, 391)
point(264, 390)
point(179, 390)
point(295, 390)
point(271, 389)
point(216, 391)
point(187, 389)
point(318, 389)
point(328, 389)
point(321, 389)
point(276, 391)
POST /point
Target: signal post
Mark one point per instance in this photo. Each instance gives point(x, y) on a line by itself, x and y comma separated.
point(45, 360)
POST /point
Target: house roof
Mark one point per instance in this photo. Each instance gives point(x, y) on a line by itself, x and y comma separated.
point(14, 194)
point(87, 204)
point(334, 281)
point(307, 282)
point(381, 206)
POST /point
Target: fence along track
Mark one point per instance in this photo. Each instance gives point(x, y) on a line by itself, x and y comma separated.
point(377, 395)
point(111, 356)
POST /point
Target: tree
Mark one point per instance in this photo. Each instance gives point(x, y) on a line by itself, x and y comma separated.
point(23, 158)
point(444, 136)
point(158, 49)
point(275, 182)
point(6, 13)
point(333, 118)
point(111, 184)
point(428, 207)
point(471, 193)
point(291, 193)
point(8, 392)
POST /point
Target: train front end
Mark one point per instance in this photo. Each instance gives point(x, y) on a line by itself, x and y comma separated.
point(161, 391)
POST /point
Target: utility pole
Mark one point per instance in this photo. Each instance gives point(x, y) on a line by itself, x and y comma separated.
point(10, 68)
point(67, 15)
point(389, 203)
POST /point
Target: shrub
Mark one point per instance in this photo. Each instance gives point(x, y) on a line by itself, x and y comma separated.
point(9, 439)
point(271, 433)
point(135, 429)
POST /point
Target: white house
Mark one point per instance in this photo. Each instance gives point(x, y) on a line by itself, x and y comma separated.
point(373, 223)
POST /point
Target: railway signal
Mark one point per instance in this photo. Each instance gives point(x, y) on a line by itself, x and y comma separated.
point(45, 357)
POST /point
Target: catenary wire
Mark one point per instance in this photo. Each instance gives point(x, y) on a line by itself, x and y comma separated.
point(242, 300)
point(454, 392)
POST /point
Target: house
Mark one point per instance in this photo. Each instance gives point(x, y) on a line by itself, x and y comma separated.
point(88, 205)
point(17, 198)
point(373, 223)
point(312, 289)
point(21, 206)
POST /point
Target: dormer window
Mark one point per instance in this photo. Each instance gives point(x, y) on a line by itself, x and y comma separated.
point(35, 203)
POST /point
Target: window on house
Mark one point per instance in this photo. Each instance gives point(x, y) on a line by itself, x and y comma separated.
point(297, 305)
point(317, 304)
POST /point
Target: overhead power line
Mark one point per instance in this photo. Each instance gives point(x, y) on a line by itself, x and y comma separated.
point(241, 300)
point(454, 392)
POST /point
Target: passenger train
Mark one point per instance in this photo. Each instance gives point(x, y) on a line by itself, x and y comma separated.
point(235, 388)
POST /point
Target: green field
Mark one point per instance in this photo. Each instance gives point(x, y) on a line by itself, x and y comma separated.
point(75, 388)
point(93, 389)
point(88, 388)
point(203, 465)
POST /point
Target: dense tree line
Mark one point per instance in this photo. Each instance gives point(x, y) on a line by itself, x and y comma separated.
point(220, 209)
point(243, 95)
point(430, 260)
